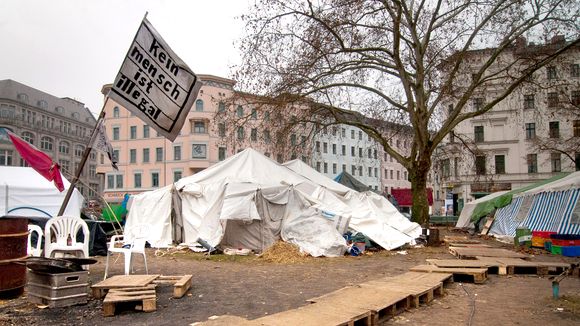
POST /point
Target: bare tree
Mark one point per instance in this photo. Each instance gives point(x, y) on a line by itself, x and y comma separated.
point(397, 61)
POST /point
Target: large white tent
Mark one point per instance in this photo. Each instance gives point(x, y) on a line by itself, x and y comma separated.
point(24, 192)
point(250, 201)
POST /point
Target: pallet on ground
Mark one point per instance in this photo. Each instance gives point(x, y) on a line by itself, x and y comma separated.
point(383, 304)
point(510, 266)
point(472, 253)
point(144, 297)
point(479, 275)
point(469, 245)
point(121, 281)
point(319, 314)
point(181, 283)
point(415, 278)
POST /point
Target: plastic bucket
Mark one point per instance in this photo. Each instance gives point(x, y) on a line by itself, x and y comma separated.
point(13, 241)
point(523, 237)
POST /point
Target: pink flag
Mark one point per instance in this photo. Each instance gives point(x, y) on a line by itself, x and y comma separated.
point(38, 160)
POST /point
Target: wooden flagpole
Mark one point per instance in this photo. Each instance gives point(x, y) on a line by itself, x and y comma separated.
point(83, 160)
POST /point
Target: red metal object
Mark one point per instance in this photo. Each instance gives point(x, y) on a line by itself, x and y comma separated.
point(13, 242)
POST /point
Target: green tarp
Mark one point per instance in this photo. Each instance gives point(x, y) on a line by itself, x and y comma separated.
point(486, 207)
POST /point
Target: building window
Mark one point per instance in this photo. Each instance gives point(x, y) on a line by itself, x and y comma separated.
point(177, 153)
point(391, 174)
point(360, 152)
point(110, 181)
point(575, 98)
point(477, 103)
point(145, 155)
point(28, 136)
point(154, 179)
point(529, 101)
point(575, 70)
point(267, 136)
point(360, 135)
point(254, 135)
point(377, 172)
point(369, 153)
point(532, 160)
point(478, 134)
point(530, 130)
point(178, 174)
point(42, 104)
point(221, 153)
point(353, 170)
point(199, 127)
point(116, 133)
point(65, 165)
point(325, 167)
point(240, 111)
point(145, 131)
point(375, 154)
point(554, 129)
point(370, 171)
point(116, 112)
point(553, 99)
point(325, 147)
point(158, 154)
point(552, 73)
point(334, 149)
point(116, 154)
point(46, 143)
point(360, 171)
point(456, 167)
point(398, 175)
point(79, 150)
point(5, 157)
point(133, 156)
point(343, 150)
point(333, 168)
point(221, 107)
point(198, 151)
point(317, 148)
point(254, 114)
point(22, 97)
point(556, 160)
point(445, 168)
point(318, 166)
point(199, 105)
point(133, 132)
point(344, 168)
point(352, 151)
point(240, 133)
point(137, 177)
point(221, 129)
point(499, 164)
point(480, 164)
point(576, 128)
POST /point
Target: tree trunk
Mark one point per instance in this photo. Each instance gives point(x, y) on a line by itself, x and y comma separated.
point(420, 207)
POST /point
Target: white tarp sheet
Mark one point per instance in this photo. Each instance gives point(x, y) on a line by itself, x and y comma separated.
point(24, 192)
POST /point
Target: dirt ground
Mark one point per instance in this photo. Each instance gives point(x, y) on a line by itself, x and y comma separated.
point(251, 288)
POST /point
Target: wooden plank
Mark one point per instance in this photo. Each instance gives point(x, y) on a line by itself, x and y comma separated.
point(470, 245)
point(510, 266)
point(485, 252)
point(479, 274)
point(487, 225)
point(318, 314)
point(182, 285)
point(145, 298)
point(470, 263)
point(225, 320)
point(121, 281)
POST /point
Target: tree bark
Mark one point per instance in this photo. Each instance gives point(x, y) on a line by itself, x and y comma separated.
point(418, 177)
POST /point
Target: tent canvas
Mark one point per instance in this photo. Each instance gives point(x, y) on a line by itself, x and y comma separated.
point(346, 179)
point(464, 220)
point(554, 206)
point(24, 192)
point(371, 214)
point(252, 200)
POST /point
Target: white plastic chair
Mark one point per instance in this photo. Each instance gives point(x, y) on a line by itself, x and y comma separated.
point(34, 251)
point(64, 229)
point(133, 242)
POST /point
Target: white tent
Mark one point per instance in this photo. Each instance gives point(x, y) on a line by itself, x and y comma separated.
point(259, 201)
point(371, 214)
point(464, 220)
point(24, 192)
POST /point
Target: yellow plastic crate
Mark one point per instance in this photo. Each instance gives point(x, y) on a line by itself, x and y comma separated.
point(538, 242)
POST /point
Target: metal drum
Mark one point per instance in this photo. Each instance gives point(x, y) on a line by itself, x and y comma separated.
point(13, 242)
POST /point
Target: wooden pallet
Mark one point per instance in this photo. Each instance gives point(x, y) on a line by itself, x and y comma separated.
point(473, 253)
point(510, 266)
point(181, 284)
point(479, 275)
point(121, 281)
point(319, 314)
point(469, 245)
point(144, 297)
point(487, 226)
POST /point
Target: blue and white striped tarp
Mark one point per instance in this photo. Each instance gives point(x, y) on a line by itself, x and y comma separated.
point(505, 222)
point(550, 211)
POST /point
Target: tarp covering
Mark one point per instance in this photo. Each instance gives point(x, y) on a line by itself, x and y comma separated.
point(346, 179)
point(486, 207)
point(553, 206)
point(404, 196)
point(250, 201)
point(464, 220)
point(24, 192)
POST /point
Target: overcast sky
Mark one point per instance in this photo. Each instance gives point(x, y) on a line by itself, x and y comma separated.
point(71, 48)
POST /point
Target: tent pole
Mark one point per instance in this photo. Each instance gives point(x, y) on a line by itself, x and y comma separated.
point(83, 160)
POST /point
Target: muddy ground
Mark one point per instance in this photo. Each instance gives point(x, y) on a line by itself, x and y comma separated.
point(250, 287)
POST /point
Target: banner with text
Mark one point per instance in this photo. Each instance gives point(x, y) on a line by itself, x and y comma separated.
point(155, 84)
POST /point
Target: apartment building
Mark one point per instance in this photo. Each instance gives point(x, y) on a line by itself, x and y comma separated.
point(530, 136)
point(60, 127)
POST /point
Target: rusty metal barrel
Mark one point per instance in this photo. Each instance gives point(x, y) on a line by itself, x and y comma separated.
point(13, 242)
